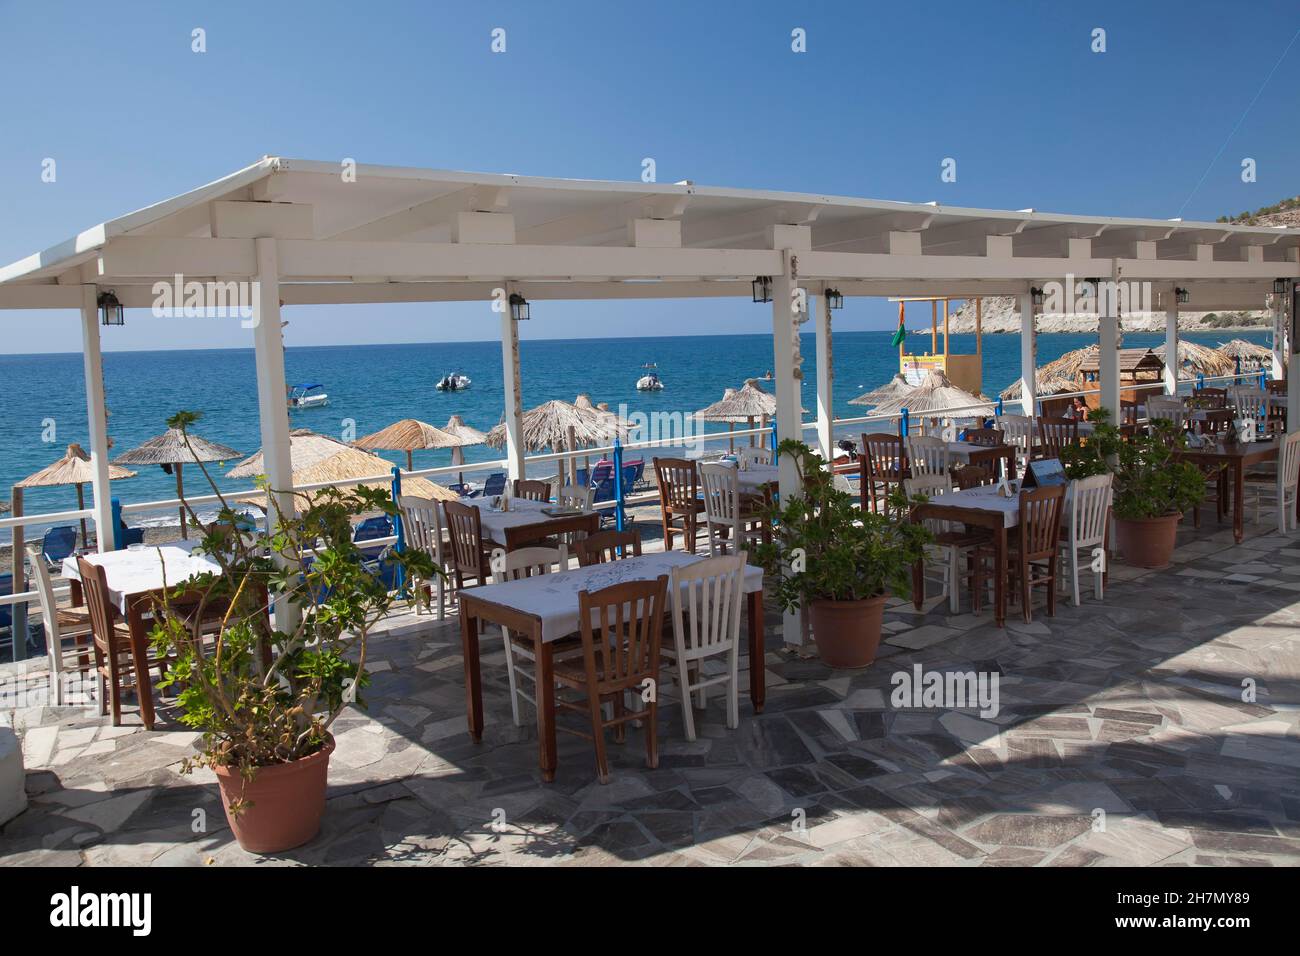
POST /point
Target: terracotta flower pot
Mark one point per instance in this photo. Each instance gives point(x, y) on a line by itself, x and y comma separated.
point(1147, 542)
point(286, 802)
point(847, 633)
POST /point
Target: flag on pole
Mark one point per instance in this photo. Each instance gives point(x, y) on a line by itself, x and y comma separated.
point(900, 336)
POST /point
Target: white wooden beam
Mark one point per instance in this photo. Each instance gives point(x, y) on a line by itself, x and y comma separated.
point(1108, 359)
point(1171, 340)
point(825, 377)
point(789, 417)
point(514, 409)
point(1028, 356)
point(254, 220)
point(97, 420)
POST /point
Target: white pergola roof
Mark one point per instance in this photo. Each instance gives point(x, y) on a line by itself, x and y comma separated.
point(396, 234)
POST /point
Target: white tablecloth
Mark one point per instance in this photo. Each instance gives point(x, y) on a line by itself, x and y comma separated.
point(131, 573)
point(987, 498)
point(522, 511)
point(554, 597)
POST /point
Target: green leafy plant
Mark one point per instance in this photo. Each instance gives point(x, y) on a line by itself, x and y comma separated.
point(1150, 480)
point(264, 696)
point(825, 549)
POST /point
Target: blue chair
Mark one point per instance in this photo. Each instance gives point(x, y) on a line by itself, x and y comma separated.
point(58, 544)
point(629, 478)
point(127, 536)
point(582, 478)
point(601, 474)
point(495, 485)
point(369, 530)
point(459, 489)
point(6, 610)
point(638, 479)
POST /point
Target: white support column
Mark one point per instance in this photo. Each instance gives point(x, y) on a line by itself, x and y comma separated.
point(514, 410)
point(1292, 367)
point(97, 418)
point(825, 378)
point(1278, 370)
point(1109, 340)
point(789, 415)
point(272, 405)
point(1171, 341)
point(1028, 356)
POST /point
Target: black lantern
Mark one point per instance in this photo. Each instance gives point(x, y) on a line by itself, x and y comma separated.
point(1279, 286)
point(1182, 296)
point(762, 288)
point(518, 307)
point(833, 299)
point(110, 310)
point(1036, 296)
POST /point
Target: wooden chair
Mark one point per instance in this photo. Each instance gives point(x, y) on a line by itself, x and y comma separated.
point(1214, 421)
point(707, 602)
point(1087, 530)
point(603, 546)
point(883, 466)
point(1036, 539)
point(422, 526)
point(728, 515)
point(1276, 386)
point(1054, 434)
point(622, 627)
point(1169, 409)
point(116, 664)
point(520, 656)
point(679, 499)
point(1281, 491)
point(1211, 397)
point(465, 533)
point(531, 490)
point(60, 624)
point(1055, 407)
point(984, 437)
point(1251, 403)
point(756, 455)
point(574, 496)
point(928, 455)
point(1018, 430)
point(972, 476)
point(952, 539)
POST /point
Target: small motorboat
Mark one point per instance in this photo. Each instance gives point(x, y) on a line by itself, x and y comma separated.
point(306, 396)
point(453, 382)
point(649, 382)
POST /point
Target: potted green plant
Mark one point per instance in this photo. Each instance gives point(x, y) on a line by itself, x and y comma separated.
point(265, 698)
point(839, 562)
point(1152, 487)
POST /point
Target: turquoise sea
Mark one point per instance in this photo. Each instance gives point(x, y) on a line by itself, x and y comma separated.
point(376, 385)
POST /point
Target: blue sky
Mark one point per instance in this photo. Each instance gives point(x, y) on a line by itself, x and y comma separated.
point(711, 91)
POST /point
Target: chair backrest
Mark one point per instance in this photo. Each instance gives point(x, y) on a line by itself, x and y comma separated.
point(1249, 402)
point(574, 496)
point(1169, 409)
point(529, 562)
point(1040, 521)
point(531, 490)
point(59, 542)
point(1055, 433)
point(882, 456)
point(49, 606)
point(928, 485)
point(1055, 407)
point(601, 474)
point(1213, 421)
point(494, 485)
point(721, 493)
point(985, 437)
point(465, 531)
point(1288, 470)
point(603, 546)
point(1089, 507)
point(622, 626)
point(1211, 397)
point(371, 528)
point(972, 476)
point(422, 524)
point(679, 483)
point(928, 455)
point(756, 455)
point(1017, 430)
point(1276, 386)
point(94, 588)
point(707, 602)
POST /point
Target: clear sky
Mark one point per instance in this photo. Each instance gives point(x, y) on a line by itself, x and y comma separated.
point(1157, 125)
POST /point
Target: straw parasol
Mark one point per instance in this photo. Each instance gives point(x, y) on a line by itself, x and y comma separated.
point(409, 435)
point(557, 424)
point(317, 458)
point(73, 468)
point(465, 435)
point(895, 386)
point(1194, 360)
point(1061, 375)
point(171, 453)
point(935, 393)
point(741, 406)
point(1248, 353)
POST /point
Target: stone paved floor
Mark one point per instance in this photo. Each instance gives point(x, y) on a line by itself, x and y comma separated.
point(1122, 737)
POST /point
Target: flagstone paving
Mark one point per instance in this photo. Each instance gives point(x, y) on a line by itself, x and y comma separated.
point(1156, 728)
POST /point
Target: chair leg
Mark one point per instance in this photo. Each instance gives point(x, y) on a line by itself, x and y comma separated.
point(652, 736)
point(1074, 572)
point(1052, 568)
point(1026, 591)
point(950, 582)
point(597, 735)
point(511, 677)
point(733, 687)
point(115, 686)
point(620, 711)
point(684, 687)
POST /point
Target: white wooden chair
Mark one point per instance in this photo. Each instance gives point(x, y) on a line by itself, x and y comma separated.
point(520, 659)
point(1281, 491)
point(1167, 408)
point(707, 603)
point(1250, 403)
point(575, 496)
point(1089, 517)
point(1018, 430)
point(59, 623)
point(951, 539)
point(723, 514)
point(422, 527)
point(928, 455)
point(755, 455)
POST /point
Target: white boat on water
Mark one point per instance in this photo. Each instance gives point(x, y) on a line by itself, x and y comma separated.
point(304, 396)
point(453, 382)
point(649, 382)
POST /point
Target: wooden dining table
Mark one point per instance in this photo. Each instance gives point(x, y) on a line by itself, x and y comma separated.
point(1235, 457)
point(544, 608)
point(527, 522)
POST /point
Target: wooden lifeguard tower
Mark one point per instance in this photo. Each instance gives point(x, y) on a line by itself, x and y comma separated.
point(963, 370)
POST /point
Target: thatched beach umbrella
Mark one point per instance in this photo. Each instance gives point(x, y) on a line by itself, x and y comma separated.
point(1194, 360)
point(317, 458)
point(549, 426)
point(409, 435)
point(741, 406)
point(895, 386)
point(935, 393)
point(72, 469)
point(464, 435)
point(1247, 353)
point(171, 453)
point(1064, 374)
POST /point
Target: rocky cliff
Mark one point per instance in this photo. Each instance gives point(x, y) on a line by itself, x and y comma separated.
point(1000, 315)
